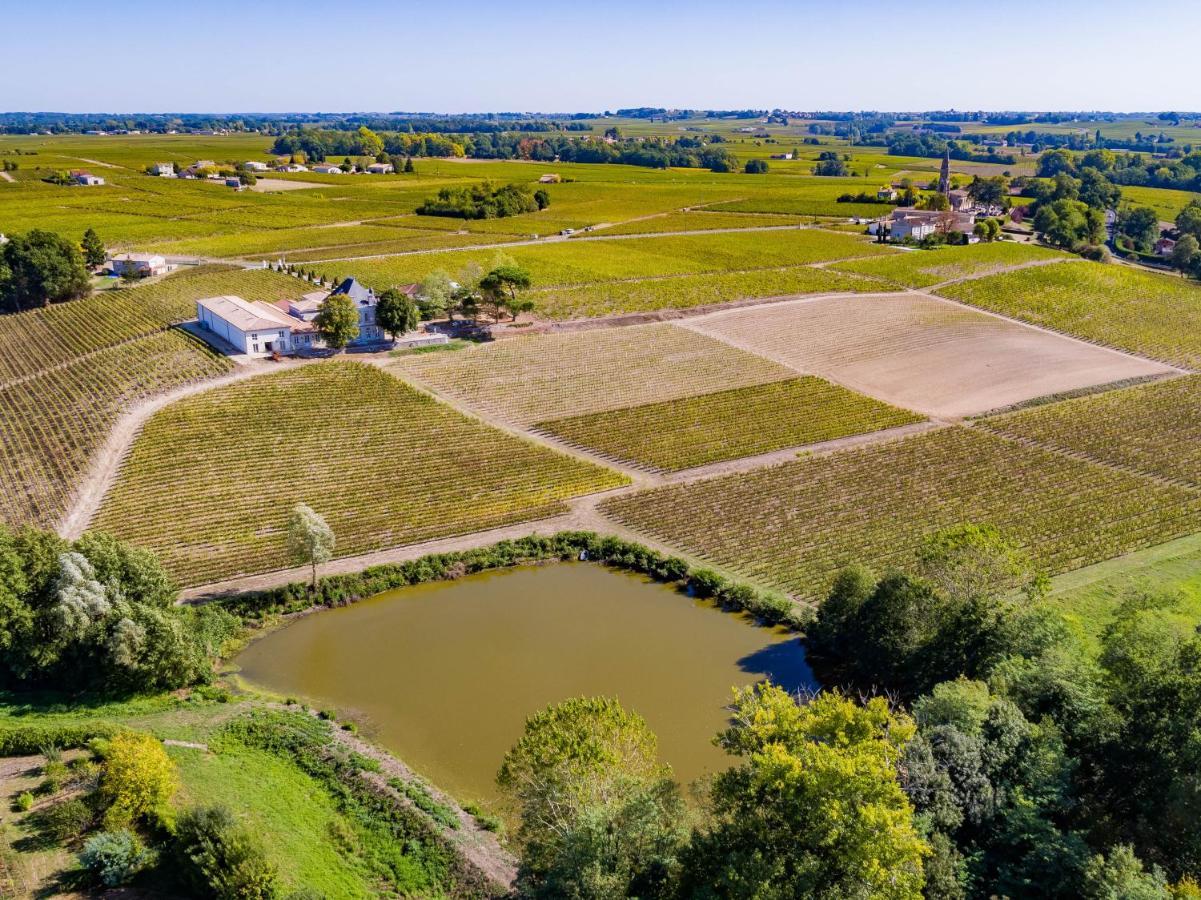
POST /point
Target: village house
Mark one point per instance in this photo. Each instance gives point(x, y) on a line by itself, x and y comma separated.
point(959, 200)
point(85, 178)
point(141, 265)
point(255, 166)
point(163, 170)
point(1164, 246)
point(918, 224)
point(781, 156)
point(327, 169)
point(291, 167)
point(887, 193)
point(380, 168)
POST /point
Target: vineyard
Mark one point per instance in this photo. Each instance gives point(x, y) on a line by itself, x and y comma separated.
point(33, 341)
point(210, 481)
point(793, 526)
point(924, 268)
point(921, 353)
point(693, 431)
point(1142, 312)
point(701, 220)
point(581, 263)
point(1154, 428)
point(53, 422)
point(552, 376)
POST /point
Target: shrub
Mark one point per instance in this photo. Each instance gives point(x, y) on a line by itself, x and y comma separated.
point(221, 858)
point(24, 802)
point(113, 857)
point(55, 773)
point(67, 820)
point(138, 780)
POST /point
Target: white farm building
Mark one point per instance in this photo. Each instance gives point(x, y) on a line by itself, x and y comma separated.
point(259, 329)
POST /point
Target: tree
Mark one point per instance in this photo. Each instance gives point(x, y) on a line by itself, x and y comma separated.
point(434, 294)
point(396, 313)
point(500, 287)
point(221, 858)
point(755, 167)
point(42, 268)
point(1188, 221)
point(409, 169)
point(1140, 224)
point(310, 539)
point(1186, 255)
point(1098, 191)
point(368, 143)
point(542, 198)
point(600, 816)
point(337, 321)
point(815, 808)
point(988, 230)
point(989, 191)
point(94, 253)
point(1069, 223)
point(138, 779)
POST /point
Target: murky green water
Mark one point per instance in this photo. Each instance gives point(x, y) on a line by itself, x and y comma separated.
point(445, 674)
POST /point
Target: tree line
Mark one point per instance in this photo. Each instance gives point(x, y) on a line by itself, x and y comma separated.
point(41, 267)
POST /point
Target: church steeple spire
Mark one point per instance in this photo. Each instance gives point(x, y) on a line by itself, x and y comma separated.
point(944, 174)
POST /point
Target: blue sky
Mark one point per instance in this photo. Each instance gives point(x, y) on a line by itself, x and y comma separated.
point(476, 55)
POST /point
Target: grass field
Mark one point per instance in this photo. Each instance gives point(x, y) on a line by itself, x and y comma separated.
point(53, 422)
point(210, 481)
point(693, 431)
point(923, 268)
point(793, 526)
point(1142, 312)
point(552, 376)
point(1154, 428)
point(1166, 202)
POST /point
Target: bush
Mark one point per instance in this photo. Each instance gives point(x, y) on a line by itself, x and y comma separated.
point(55, 772)
point(113, 857)
point(138, 779)
point(27, 740)
point(222, 859)
point(24, 802)
point(67, 820)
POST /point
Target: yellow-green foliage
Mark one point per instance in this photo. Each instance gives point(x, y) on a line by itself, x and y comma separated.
point(138, 779)
point(793, 526)
point(1154, 428)
point(209, 482)
point(53, 422)
point(551, 376)
point(699, 220)
point(678, 434)
point(923, 268)
point(1155, 315)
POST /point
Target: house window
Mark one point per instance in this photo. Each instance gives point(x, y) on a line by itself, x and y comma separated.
point(256, 348)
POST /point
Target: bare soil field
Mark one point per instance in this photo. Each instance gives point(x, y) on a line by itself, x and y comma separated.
point(922, 353)
point(271, 185)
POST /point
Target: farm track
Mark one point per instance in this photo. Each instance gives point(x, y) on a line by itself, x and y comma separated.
point(7, 176)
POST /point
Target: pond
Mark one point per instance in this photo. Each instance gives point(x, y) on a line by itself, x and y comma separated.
point(445, 674)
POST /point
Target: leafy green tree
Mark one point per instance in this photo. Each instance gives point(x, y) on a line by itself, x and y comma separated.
point(113, 857)
point(409, 168)
point(221, 858)
point(542, 198)
point(94, 253)
point(434, 295)
point(992, 191)
point(600, 816)
point(42, 268)
point(1055, 162)
point(396, 313)
point(368, 143)
point(1119, 875)
point(1098, 191)
point(1188, 220)
point(337, 321)
point(310, 539)
point(755, 167)
point(1140, 224)
point(1186, 255)
point(935, 201)
point(815, 808)
point(500, 289)
point(138, 779)
point(1069, 223)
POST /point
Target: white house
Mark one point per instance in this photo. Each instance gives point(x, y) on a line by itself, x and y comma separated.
point(142, 265)
point(327, 169)
point(256, 329)
point(888, 192)
point(380, 168)
point(908, 222)
point(254, 166)
point(86, 178)
point(549, 178)
point(163, 170)
point(291, 167)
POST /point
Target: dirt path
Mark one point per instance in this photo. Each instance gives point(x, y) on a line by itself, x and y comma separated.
point(107, 463)
point(1004, 270)
point(96, 162)
point(7, 176)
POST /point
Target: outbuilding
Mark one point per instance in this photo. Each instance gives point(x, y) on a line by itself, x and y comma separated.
point(140, 265)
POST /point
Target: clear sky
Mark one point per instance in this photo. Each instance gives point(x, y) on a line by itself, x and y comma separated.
point(514, 55)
